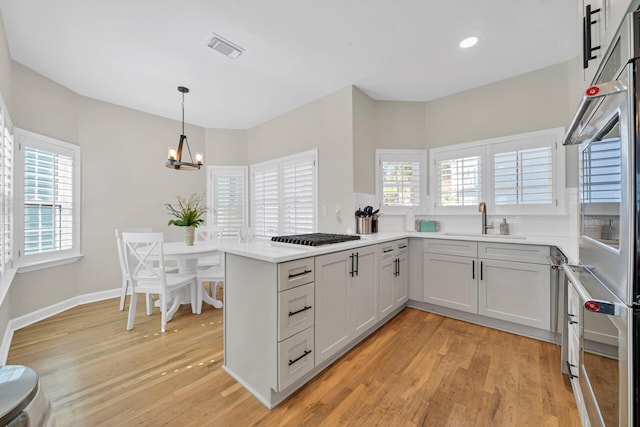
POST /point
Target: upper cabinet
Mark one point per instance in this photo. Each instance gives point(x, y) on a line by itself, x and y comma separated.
point(599, 21)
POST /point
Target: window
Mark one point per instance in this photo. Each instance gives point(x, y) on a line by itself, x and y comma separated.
point(401, 180)
point(228, 197)
point(513, 175)
point(50, 195)
point(460, 181)
point(283, 195)
point(524, 177)
point(459, 175)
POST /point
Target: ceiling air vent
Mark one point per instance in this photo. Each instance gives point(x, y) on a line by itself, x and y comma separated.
point(224, 46)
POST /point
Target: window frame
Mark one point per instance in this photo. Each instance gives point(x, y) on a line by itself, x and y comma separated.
point(24, 138)
point(487, 149)
point(7, 266)
point(398, 155)
point(212, 171)
point(278, 164)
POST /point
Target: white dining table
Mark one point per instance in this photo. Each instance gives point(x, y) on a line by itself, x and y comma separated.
point(187, 259)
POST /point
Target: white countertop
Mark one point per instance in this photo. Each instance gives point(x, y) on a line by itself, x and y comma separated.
point(266, 250)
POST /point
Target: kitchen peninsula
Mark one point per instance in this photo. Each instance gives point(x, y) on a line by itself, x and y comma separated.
point(291, 311)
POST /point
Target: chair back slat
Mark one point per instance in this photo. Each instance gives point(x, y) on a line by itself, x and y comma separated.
point(142, 251)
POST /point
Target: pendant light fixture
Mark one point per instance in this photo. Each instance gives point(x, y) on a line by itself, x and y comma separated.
point(174, 160)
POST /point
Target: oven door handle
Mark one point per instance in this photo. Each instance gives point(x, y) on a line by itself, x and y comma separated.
point(591, 94)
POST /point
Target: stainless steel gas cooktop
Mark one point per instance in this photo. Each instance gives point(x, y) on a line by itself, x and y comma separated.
point(315, 239)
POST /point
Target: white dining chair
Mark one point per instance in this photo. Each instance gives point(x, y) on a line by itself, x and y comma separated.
point(126, 281)
point(141, 252)
point(208, 233)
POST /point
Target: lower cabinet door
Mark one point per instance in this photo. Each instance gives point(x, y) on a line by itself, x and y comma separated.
point(450, 281)
point(295, 358)
point(401, 281)
point(515, 291)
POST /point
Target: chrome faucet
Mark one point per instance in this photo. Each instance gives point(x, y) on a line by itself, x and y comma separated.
point(483, 209)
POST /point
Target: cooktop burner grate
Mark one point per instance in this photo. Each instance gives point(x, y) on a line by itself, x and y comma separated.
point(315, 239)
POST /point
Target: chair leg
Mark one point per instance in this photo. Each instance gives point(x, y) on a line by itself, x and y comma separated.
point(163, 313)
point(123, 293)
point(149, 304)
point(132, 311)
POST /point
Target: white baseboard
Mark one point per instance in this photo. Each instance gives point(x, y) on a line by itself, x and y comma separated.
point(43, 313)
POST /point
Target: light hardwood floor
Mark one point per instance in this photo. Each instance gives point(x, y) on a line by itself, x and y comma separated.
point(419, 369)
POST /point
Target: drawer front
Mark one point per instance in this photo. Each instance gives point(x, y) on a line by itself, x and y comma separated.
point(402, 246)
point(296, 357)
point(295, 273)
point(296, 310)
point(514, 252)
point(386, 250)
point(451, 247)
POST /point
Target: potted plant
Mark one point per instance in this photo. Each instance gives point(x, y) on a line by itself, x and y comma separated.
point(188, 214)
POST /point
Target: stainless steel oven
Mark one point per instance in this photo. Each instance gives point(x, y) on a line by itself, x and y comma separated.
point(602, 368)
point(606, 129)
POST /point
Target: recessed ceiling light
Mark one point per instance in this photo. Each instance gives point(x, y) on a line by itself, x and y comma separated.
point(468, 42)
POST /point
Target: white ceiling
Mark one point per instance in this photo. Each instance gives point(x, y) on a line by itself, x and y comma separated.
point(136, 52)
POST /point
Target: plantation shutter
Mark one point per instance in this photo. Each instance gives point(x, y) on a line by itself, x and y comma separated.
point(229, 198)
point(48, 201)
point(459, 181)
point(297, 193)
point(6, 192)
point(400, 181)
point(265, 190)
point(523, 171)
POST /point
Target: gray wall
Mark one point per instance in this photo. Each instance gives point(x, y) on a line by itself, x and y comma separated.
point(124, 181)
point(541, 99)
point(325, 124)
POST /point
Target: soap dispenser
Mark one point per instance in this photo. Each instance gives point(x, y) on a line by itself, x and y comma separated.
point(504, 227)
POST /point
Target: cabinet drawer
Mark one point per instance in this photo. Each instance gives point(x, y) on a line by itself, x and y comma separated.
point(295, 273)
point(386, 250)
point(295, 358)
point(451, 247)
point(514, 252)
point(402, 246)
point(296, 310)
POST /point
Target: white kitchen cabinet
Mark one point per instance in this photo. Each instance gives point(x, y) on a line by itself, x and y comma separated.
point(363, 298)
point(346, 298)
point(505, 281)
point(393, 276)
point(599, 22)
point(515, 283)
point(401, 278)
point(449, 269)
point(515, 291)
point(386, 273)
point(450, 281)
point(573, 343)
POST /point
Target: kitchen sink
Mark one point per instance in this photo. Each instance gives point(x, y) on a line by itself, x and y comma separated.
point(485, 236)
